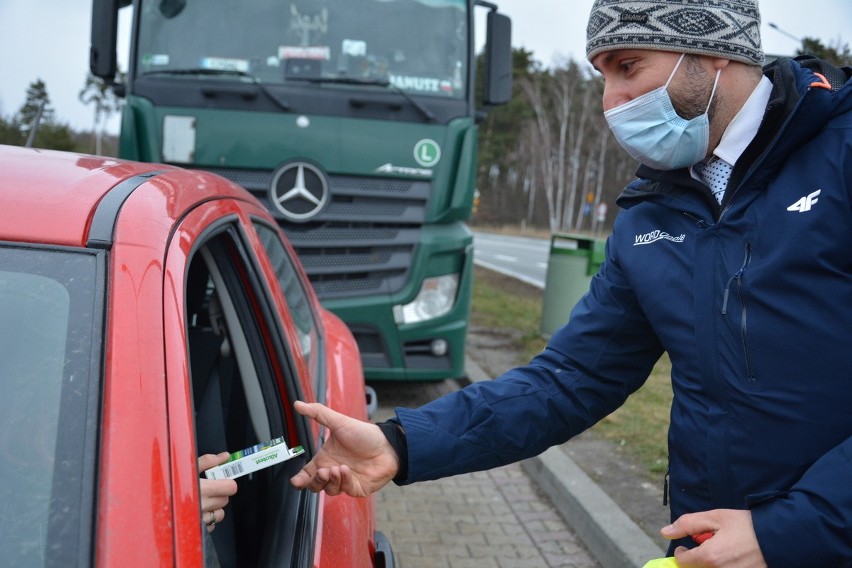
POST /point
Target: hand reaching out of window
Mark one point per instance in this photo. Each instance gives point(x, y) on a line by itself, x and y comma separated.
point(215, 493)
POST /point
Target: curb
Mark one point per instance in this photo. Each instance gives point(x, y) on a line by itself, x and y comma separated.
point(607, 531)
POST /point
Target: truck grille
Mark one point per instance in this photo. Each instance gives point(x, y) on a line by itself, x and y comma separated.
point(363, 242)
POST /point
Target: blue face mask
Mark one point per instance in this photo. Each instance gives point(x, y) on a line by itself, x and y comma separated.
point(651, 131)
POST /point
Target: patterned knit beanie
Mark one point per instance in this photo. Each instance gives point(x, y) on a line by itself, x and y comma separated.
point(718, 28)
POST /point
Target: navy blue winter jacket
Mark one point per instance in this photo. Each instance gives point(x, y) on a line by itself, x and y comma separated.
point(752, 300)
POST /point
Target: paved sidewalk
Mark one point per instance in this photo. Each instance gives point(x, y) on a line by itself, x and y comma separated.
point(496, 519)
point(491, 519)
point(613, 538)
point(544, 512)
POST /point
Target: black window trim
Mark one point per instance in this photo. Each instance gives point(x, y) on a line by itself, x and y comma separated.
point(321, 385)
point(102, 230)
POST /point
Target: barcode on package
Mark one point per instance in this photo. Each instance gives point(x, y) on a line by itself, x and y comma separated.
point(232, 470)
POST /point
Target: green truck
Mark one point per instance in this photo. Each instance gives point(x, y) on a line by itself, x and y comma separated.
point(353, 121)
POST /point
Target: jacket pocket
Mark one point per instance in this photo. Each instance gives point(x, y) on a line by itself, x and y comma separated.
point(737, 282)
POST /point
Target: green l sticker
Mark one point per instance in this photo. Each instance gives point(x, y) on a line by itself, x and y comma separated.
point(427, 153)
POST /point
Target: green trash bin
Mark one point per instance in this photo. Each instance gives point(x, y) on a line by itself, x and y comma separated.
point(597, 257)
point(573, 260)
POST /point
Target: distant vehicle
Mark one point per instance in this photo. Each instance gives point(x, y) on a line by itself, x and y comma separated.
point(355, 122)
point(148, 315)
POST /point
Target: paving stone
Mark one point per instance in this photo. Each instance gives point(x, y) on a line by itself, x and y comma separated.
point(489, 519)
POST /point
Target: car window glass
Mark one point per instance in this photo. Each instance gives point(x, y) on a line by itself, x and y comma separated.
point(294, 293)
point(47, 323)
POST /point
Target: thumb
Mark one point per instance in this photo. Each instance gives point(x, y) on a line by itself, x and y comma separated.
point(321, 413)
point(207, 461)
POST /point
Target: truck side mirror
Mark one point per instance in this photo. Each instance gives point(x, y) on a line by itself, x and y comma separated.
point(102, 50)
point(171, 8)
point(497, 85)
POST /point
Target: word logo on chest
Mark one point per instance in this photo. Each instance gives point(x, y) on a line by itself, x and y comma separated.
point(654, 236)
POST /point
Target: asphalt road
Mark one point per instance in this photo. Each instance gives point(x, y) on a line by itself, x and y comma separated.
point(523, 258)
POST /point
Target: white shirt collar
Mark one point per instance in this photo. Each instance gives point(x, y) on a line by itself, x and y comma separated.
point(743, 128)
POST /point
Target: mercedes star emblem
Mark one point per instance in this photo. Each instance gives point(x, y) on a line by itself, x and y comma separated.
point(299, 191)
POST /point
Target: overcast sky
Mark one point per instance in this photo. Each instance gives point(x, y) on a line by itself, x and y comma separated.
point(49, 40)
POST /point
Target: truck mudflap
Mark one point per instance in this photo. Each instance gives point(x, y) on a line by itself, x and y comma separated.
point(384, 553)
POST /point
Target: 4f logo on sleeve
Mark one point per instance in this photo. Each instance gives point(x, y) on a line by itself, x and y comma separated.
point(806, 203)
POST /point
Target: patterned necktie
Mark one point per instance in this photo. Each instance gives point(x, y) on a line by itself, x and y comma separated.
point(715, 176)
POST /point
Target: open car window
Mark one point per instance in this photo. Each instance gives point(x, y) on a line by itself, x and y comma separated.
point(242, 378)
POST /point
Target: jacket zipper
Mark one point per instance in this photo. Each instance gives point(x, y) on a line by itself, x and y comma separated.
point(699, 222)
point(743, 318)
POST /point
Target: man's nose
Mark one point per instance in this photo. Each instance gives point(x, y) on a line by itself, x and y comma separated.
point(613, 97)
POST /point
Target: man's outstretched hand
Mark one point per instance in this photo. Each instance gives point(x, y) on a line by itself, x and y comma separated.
point(356, 459)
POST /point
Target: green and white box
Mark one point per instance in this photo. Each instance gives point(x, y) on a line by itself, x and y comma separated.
point(253, 459)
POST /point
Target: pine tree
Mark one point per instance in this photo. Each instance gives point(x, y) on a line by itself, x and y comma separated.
point(836, 52)
point(37, 112)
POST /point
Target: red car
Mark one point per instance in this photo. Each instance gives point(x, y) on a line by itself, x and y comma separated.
point(149, 315)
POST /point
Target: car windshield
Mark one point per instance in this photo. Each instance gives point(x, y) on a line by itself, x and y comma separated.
point(49, 317)
point(419, 46)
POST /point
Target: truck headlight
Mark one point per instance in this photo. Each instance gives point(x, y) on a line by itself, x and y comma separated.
point(435, 299)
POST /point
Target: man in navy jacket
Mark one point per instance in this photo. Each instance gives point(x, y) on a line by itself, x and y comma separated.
point(733, 254)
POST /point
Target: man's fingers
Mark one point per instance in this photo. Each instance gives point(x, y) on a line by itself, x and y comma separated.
point(326, 479)
point(207, 461)
point(349, 483)
point(226, 487)
point(313, 479)
point(702, 524)
point(322, 414)
point(335, 480)
point(301, 479)
point(332, 480)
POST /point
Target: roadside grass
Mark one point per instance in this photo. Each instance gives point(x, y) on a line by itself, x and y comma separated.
point(640, 426)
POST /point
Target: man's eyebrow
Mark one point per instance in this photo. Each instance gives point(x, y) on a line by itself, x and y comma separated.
point(604, 60)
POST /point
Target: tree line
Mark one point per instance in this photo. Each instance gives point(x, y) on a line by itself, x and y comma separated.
point(36, 124)
point(547, 159)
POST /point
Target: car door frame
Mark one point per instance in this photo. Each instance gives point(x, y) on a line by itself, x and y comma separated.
point(194, 229)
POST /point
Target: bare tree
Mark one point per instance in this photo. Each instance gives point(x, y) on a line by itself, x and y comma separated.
point(541, 145)
point(551, 97)
point(557, 146)
point(562, 95)
point(603, 143)
point(576, 155)
point(98, 92)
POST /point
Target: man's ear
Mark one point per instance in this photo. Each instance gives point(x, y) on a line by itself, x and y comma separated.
point(719, 63)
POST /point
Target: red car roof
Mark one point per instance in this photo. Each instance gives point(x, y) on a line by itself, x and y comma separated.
point(51, 197)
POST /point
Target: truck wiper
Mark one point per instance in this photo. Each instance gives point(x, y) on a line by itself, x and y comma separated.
point(226, 73)
point(344, 80)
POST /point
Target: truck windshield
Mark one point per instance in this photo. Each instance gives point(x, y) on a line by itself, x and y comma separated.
point(49, 386)
point(418, 46)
